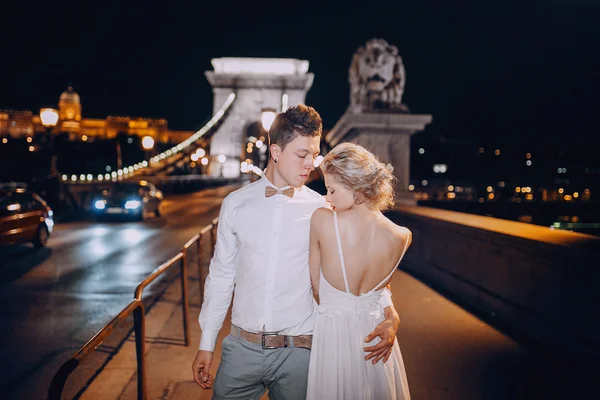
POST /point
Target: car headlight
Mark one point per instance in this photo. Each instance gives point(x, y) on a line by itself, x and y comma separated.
point(100, 204)
point(49, 223)
point(132, 204)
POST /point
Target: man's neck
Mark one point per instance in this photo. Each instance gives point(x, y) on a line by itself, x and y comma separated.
point(273, 177)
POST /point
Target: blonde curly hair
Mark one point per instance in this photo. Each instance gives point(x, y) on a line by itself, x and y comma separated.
point(360, 171)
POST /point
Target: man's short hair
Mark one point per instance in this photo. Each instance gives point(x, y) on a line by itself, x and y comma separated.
point(300, 120)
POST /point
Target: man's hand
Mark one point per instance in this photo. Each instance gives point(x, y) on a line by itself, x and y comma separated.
point(201, 368)
point(387, 332)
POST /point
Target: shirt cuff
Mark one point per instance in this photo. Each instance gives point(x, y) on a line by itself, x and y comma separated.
point(386, 298)
point(208, 340)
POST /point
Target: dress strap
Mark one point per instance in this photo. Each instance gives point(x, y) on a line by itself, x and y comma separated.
point(339, 243)
point(395, 267)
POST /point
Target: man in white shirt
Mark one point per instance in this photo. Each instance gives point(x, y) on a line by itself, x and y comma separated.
point(262, 253)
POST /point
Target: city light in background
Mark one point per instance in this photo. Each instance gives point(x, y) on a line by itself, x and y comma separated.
point(169, 156)
point(440, 168)
point(49, 117)
point(267, 117)
point(147, 143)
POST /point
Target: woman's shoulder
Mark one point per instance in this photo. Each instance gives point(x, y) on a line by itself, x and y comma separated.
point(398, 233)
point(320, 215)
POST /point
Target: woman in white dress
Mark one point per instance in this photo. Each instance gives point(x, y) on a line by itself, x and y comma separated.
point(354, 250)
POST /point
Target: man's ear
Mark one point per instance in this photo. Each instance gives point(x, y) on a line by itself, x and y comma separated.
point(275, 151)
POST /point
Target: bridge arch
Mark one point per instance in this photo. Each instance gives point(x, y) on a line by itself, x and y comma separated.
point(259, 84)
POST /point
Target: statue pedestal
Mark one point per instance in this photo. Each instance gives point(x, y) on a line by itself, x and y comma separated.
point(387, 135)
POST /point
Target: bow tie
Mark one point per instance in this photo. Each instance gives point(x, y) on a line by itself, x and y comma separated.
point(271, 191)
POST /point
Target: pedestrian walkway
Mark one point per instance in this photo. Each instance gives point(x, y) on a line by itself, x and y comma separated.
point(448, 352)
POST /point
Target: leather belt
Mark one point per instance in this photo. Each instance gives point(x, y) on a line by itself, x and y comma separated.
point(272, 340)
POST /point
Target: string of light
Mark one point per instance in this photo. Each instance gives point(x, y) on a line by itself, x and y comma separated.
point(156, 160)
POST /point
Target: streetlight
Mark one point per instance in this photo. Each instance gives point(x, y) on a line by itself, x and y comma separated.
point(267, 116)
point(222, 158)
point(49, 117)
point(148, 145)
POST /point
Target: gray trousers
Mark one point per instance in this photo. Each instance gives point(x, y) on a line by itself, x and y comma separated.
point(247, 370)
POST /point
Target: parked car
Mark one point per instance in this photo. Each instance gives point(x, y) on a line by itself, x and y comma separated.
point(24, 217)
point(135, 199)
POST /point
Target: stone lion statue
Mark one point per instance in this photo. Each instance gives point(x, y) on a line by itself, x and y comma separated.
point(377, 77)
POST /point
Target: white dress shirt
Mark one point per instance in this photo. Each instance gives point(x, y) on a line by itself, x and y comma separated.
point(262, 252)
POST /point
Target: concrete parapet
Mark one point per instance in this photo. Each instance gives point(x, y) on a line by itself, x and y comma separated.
point(543, 283)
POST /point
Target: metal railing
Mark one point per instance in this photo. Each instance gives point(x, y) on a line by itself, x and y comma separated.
point(136, 307)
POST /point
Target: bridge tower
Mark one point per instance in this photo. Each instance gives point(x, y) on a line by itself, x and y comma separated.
point(259, 84)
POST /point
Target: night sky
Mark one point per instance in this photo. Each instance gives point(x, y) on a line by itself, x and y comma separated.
point(524, 69)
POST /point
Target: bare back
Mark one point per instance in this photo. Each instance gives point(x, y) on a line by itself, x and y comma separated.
point(371, 244)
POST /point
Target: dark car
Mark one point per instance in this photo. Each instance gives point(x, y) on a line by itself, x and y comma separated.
point(24, 217)
point(134, 199)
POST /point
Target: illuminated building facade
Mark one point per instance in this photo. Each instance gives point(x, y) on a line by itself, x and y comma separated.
point(16, 123)
point(69, 112)
point(25, 123)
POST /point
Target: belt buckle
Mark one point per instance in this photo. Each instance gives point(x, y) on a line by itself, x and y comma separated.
point(264, 335)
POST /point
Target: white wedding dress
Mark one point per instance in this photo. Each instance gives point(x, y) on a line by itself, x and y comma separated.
point(338, 369)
